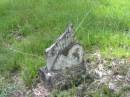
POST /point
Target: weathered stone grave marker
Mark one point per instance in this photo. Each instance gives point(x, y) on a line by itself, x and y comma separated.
point(65, 62)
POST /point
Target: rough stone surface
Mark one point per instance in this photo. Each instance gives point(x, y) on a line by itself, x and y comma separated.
point(64, 79)
point(65, 62)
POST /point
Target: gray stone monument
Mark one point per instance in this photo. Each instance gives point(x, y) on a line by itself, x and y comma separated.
point(65, 62)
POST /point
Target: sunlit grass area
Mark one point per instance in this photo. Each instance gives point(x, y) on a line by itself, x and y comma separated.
point(28, 27)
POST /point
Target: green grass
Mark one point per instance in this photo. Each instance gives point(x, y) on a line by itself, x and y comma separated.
point(40, 22)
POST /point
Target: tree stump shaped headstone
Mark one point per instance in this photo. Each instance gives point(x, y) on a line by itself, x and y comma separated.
point(65, 62)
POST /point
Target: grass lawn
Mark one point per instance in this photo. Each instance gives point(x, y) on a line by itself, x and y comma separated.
point(28, 27)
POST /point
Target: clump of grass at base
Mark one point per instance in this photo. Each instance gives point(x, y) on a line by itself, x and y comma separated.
point(30, 70)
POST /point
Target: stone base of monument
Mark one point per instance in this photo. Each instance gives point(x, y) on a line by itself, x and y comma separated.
point(63, 79)
point(65, 66)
